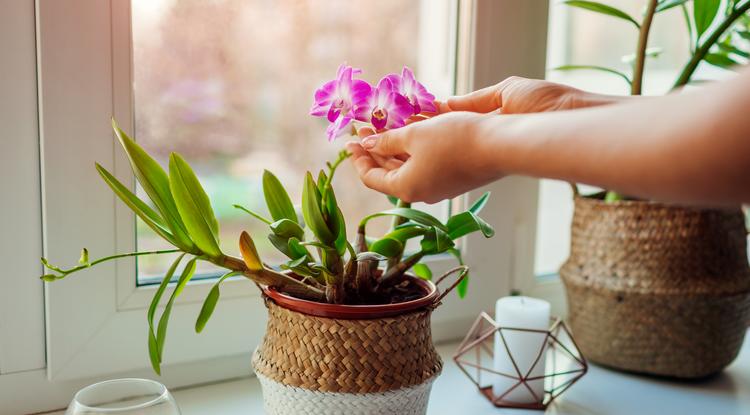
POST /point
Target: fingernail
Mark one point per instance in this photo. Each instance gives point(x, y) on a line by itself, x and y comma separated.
point(369, 142)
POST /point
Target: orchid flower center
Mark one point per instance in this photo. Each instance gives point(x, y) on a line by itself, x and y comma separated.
point(379, 114)
point(339, 103)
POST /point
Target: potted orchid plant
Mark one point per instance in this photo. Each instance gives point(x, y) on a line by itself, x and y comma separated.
point(657, 288)
point(343, 332)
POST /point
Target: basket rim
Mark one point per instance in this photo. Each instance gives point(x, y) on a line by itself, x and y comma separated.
point(597, 199)
point(355, 311)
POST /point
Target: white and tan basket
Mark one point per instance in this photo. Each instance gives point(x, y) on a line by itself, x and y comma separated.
point(316, 365)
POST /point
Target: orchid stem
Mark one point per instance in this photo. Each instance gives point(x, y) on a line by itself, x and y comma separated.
point(65, 272)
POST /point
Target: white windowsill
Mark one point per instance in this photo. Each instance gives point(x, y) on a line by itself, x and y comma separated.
point(601, 391)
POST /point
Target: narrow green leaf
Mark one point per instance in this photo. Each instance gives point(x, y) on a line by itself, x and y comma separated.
point(603, 9)
point(312, 211)
point(436, 241)
point(704, 13)
point(140, 208)
point(668, 4)
point(728, 48)
point(467, 222)
point(412, 214)
point(370, 256)
point(253, 214)
point(393, 200)
point(387, 247)
point(594, 68)
point(281, 244)
point(155, 182)
point(194, 206)
point(153, 352)
point(422, 271)
point(479, 204)
point(209, 304)
point(278, 201)
point(286, 228)
point(322, 180)
point(720, 60)
point(161, 330)
point(296, 248)
point(743, 34)
point(404, 233)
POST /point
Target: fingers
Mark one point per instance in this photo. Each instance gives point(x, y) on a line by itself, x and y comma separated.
point(371, 174)
point(389, 143)
point(365, 132)
point(483, 101)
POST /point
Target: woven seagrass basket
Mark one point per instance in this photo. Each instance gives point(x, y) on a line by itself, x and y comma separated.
point(308, 364)
point(657, 289)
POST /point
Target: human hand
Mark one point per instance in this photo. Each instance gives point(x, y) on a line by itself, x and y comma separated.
point(516, 95)
point(428, 161)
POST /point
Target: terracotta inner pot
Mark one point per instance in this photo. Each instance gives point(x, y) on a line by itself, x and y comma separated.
point(345, 311)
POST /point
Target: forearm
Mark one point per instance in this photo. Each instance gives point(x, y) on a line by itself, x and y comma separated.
point(692, 148)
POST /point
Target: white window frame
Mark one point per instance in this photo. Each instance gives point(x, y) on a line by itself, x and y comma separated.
point(95, 321)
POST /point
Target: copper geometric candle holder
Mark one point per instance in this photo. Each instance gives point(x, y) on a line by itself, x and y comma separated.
point(564, 362)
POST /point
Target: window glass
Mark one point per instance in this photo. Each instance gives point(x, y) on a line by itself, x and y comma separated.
point(228, 84)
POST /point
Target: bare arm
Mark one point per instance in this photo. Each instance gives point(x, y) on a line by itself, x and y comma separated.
point(689, 147)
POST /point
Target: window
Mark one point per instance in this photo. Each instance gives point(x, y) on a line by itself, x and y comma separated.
point(228, 84)
point(581, 37)
point(56, 340)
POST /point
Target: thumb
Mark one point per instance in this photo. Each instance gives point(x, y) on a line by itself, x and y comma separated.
point(484, 100)
point(388, 143)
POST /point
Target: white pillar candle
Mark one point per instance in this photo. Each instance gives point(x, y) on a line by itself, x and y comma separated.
point(524, 313)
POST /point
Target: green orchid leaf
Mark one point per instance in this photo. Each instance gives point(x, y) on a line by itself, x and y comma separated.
point(341, 242)
point(311, 210)
point(393, 200)
point(479, 203)
point(387, 247)
point(414, 215)
point(194, 206)
point(463, 286)
point(405, 232)
point(281, 244)
point(296, 249)
point(436, 241)
point(250, 253)
point(594, 68)
point(422, 271)
point(322, 180)
point(668, 4)
point(161, 330)
point(467, 222)
point(153, 348)
point(279, 204)
point(704, 13)
point(720, 60)
point(603, 9)
point(155, 182)
point(209, 304)
point(140, 208)
point(286, 228)
point(253, 214)
point(743, 34)
point(729, 48)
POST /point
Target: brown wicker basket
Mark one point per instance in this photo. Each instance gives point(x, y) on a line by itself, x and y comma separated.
point(657, 289)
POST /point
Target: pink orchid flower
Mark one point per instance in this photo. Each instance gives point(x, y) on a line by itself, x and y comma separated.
point(384, 108)
point(408, 86)
point(335, 100)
